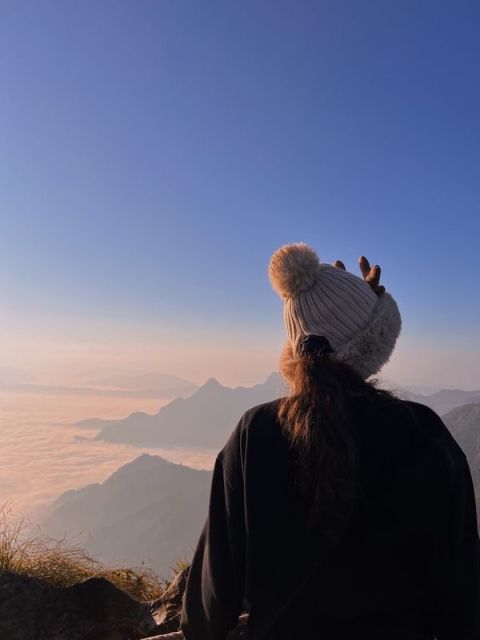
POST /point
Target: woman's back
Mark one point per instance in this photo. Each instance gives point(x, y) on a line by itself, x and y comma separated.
point(389, 569)
point(388, 577)
point(339, 511)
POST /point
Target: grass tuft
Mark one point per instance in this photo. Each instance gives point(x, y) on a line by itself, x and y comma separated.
point(62, 565)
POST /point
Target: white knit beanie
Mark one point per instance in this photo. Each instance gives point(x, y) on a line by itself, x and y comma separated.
point(321, 299)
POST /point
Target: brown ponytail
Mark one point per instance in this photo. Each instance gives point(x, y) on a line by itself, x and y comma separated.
point(318, 418)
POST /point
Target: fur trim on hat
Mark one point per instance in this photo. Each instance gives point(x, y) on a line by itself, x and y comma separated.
point(288, 362)
point(293, 268)
point(371, 349)
point(368, 351)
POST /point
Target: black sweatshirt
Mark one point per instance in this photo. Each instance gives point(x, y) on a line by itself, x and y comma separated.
point(407, 569)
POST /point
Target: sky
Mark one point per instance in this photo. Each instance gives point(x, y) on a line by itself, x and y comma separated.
point(154, 153)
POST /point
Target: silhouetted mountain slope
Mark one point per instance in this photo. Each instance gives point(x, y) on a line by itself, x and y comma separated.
point(205, 419)
point(464, 424)
point(446, 399)
point(149, 510)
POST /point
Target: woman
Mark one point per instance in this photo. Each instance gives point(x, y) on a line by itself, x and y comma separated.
point(338, 511)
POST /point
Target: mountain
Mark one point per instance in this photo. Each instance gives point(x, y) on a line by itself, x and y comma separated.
point(444, 400)
point(464, 424)
point(149, 510)
point(422, 389)
point(205, 419)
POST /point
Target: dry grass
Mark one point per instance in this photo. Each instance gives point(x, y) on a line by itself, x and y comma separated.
point(62, 565)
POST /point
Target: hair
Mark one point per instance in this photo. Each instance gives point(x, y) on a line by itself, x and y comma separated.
point(318, 418)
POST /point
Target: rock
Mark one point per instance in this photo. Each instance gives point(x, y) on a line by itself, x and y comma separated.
point(167, 609)
point(178, 635)
point(31, 609)
point(239, 633)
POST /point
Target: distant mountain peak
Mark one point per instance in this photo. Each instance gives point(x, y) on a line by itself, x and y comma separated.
point(274, 378)
point(212, 383)
point(147, 458)
point(145, 461)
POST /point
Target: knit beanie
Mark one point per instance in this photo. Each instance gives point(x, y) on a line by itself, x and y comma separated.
point(324, 300)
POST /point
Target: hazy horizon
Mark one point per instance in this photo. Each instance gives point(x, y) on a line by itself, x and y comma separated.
point(241, 363)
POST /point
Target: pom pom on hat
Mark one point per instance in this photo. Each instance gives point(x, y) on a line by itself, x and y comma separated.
point(293, 269)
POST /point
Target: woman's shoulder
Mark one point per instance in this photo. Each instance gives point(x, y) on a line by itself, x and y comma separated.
point(430, 432)
point(261, 413)
point(257, 422)
point(400, 429)
point(261, 419)
point(429, 420)
point(256, 429)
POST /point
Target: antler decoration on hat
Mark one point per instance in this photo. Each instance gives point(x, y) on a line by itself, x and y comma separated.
point(371, 275)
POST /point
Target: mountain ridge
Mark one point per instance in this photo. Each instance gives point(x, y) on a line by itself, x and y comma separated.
point(202, 420)
point(206, 417)
point(149, 511)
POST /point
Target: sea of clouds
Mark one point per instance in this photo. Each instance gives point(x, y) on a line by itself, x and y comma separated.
point(43, 455)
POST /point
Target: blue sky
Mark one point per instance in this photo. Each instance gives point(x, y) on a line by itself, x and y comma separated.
point(155, 153)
